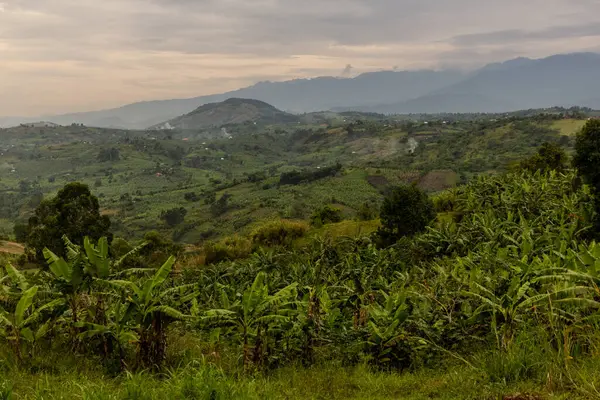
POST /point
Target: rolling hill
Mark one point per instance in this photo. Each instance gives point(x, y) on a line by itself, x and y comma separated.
point(229, 112)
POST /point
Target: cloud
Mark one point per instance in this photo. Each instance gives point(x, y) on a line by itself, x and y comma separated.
point(77, 54)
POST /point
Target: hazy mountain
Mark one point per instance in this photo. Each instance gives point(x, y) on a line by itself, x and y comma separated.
point(561, 80)
point(522, 83)
point(230, 111)
point(299, 95)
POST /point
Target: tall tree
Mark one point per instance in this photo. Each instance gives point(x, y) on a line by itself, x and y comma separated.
point(74, 212)
point(406, 210)
point(587, 160)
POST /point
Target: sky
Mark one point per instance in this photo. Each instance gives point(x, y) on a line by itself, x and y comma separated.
point(59, 56)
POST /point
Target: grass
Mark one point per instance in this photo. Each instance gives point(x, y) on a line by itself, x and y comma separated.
point(201, 380)
point(568, 127)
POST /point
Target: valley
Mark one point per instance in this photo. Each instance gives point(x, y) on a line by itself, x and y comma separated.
point(152, 171)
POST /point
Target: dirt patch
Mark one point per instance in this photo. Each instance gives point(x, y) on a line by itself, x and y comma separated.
point(109, 212)
point(11, 248)
point(523, 396)
point(409, 177)
point(436, 181)
point(379, 182)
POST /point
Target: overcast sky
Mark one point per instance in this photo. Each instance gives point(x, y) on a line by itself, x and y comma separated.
point(79, 55)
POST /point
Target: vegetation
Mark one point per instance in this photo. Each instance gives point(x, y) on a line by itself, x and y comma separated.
point(406, 211)
point(549, 157)
point(326, 215)
point(74, 212)
point(586, 161)
point(485, 290)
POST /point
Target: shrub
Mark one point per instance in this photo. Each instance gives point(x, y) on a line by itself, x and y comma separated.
point(119, 247)
point(278, 233)
point(297, 177)
point(220, 206)
point(21, 232)
point(406, 210)
point(231, 248)
point(191, 196)
point(326, 215)
point(111, 154)
point(174, 216)
point(367, 211)
point(550, 156)
point(445, 202)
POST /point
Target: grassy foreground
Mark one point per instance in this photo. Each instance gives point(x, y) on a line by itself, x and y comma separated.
point(529, 370)
point(324, 382)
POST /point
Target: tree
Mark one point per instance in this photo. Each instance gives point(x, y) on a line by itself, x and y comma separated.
point(111, 154)
point(587, 154)
point(326, 215)
point(220, 206)
point(74, 213)
point(174, 216)
point(587, 159)
point(406, 210)
point(550, 157)
point(21, 232)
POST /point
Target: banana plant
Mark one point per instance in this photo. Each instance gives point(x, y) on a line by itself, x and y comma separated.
point(116, 333)
point(389, 341)
point(16, 277)
point(69, 279)
point(149, 307)
point(20, 325)
point(509, 308)
point(256, 316)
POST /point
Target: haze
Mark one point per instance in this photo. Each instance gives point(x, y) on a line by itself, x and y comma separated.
point(78, 55)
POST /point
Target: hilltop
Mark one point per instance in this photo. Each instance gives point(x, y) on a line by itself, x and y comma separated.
point(229, 112)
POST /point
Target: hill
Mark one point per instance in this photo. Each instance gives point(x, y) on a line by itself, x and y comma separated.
point(229, 112)
point(267, 172)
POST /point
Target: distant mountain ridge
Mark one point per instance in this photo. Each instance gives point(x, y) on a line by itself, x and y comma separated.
point(228, 112)
point(561, 80)
point(522, 83)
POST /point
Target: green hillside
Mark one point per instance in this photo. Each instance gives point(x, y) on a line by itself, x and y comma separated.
point(139, 174)
point(230, 112)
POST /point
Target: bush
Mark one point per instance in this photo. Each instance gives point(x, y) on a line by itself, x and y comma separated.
point(278, 233)
point(21, 232)
point(119, 247)
point(111, 154)
point(406, 211)
point(326, 215)
point(231, 248)
point(174, 216)
point(191, 196)
point(220, 206)
point(297, 177)
point(549, 157)
point(445, 202)
point(367, 211)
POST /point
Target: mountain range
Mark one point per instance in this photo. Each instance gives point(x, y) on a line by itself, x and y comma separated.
point(523, 83)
